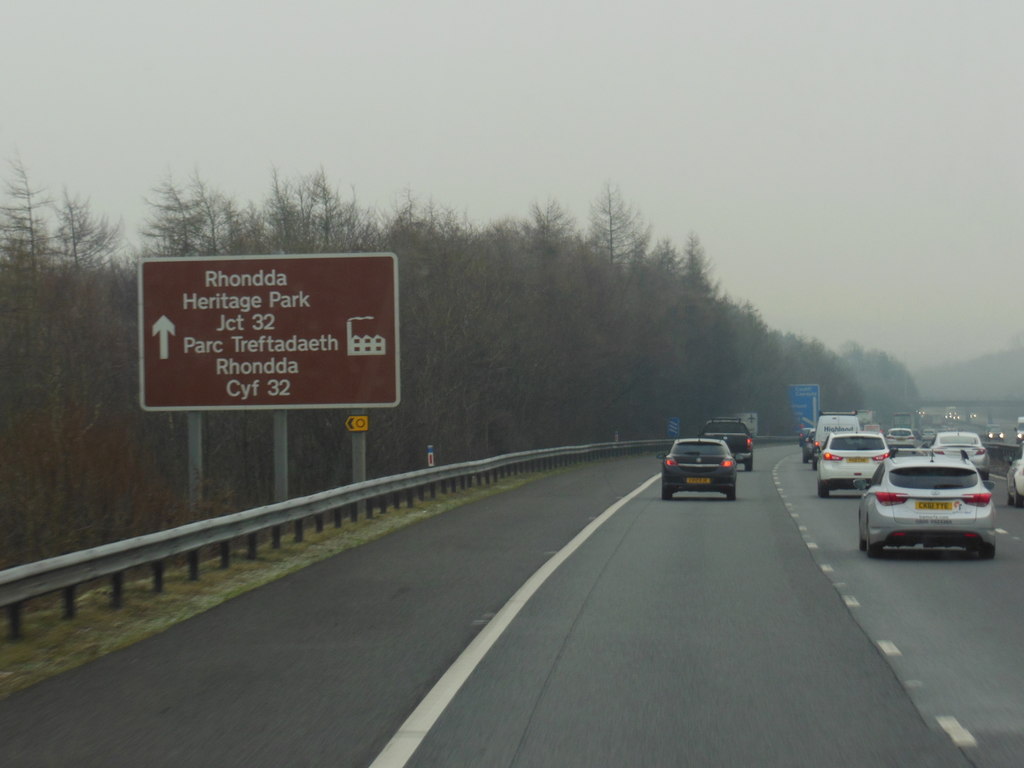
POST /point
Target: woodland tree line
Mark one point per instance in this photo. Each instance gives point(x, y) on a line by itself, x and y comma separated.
point(516, 334)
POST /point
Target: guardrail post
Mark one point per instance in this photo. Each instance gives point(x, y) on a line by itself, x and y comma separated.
point(225, 554)
point(193, 565)
point(433, 491)
point(14, 621)
point(158, 576)
point(337, 517)
point(117, 590)
point(298, 530)
point(318, 522)
point(353, 513)
point(275, 537)
point(69, 602)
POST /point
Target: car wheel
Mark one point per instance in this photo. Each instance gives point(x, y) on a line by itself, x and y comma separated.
point(874, 550)
point(984, 475)
point(863, 543)
point(987, 552)
point(822, 490)
point(666, 493)
point(730, 494)
point(749, 464)
point(1018, 500)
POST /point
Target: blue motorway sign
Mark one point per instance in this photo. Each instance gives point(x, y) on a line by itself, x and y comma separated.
point(805, 400)
point(673, 426)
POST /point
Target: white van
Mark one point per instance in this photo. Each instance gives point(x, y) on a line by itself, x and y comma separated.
point(830, 422)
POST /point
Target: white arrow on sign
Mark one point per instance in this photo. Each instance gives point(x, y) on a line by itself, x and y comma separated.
point(165, 328)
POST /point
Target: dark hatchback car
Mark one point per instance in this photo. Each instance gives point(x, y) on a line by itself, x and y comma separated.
point(700, 465)
point(806, 440)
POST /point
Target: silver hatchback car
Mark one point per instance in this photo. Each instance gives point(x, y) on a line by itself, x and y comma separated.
point(952, 443)
point(927, 501)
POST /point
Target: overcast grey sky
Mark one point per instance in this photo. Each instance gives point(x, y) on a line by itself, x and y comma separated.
point(854, 169)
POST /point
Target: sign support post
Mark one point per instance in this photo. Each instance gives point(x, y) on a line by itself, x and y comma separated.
point(280, 455)
point(195, 458)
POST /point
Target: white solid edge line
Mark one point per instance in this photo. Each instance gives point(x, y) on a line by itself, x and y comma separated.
point(415, 728)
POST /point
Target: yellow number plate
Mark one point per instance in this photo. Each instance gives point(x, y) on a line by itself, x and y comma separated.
point(698, 479)
point(857, 460)
point(946, 505)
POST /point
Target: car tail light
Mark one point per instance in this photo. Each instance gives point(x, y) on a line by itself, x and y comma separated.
point(817, 443)
point(881, 457)
point(888, 498)
point(980, 452)
point(829, 456)
point(728, 463)
point(670, 462)
point(978, 499)
point(939, 451)
point(750, 443)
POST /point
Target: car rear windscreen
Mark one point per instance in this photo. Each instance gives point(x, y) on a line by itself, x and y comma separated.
point(853, 443)
point(698, 449)
point(933, 477)
point(959, 440)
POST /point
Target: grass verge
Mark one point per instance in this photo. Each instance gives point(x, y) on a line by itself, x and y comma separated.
point(53, 645)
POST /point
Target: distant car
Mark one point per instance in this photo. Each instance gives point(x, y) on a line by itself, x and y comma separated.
point(953, 443)
point(900, 437)
point(1015, 482)
point(873, 428)
point(700, 465)
point(806, 443)
point(995, 432)
point(927, 437)
point(849, 456)
point(927, 501)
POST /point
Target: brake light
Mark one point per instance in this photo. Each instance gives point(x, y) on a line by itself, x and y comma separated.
point(728, 462)
point(978, 499)
point(937, 450)
point(980, 452)
point(829, 456)
point(817, 443)
point(750, 442)
point(888, 498)
point(670, 462)
point(881, 457)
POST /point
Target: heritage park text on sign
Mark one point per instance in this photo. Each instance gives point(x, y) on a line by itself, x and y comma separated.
point(250, 332)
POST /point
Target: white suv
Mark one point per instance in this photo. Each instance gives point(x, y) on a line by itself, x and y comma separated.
point(849, 456)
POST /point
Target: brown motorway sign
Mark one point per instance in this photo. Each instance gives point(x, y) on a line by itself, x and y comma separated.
point(250, 332)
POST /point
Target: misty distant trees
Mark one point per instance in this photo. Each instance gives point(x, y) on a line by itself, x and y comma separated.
point(516, 334)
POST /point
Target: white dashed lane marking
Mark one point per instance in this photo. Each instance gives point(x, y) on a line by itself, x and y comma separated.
point(889, 648)
point(960, 735)
point(851, 601)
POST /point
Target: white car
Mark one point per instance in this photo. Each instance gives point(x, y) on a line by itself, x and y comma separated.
point(1015, 482)
point(958, 443)
point(900, 437)
point(927, 501)
point(832, 422)
point(847, 457)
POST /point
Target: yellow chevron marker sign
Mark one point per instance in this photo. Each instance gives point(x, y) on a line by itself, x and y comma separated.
point(357, 423)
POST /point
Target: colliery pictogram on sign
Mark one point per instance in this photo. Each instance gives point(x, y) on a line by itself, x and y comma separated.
point(305, 331)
